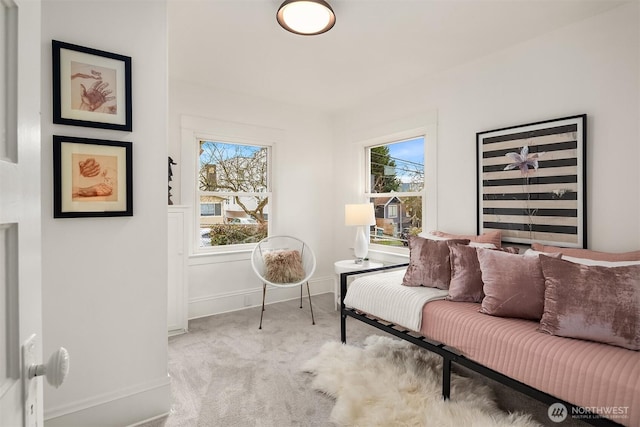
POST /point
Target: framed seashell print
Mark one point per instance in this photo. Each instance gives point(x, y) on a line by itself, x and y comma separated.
point(91, 178)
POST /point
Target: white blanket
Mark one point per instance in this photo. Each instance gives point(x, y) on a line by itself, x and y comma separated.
point(382, 295)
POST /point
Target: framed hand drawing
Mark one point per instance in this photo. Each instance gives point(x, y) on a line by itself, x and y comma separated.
point(91, 87)
point(91, 178)
point(532, 182)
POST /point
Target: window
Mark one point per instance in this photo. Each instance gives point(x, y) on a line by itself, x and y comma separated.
point(395, 176)
point(210, 209)
point(233, 192)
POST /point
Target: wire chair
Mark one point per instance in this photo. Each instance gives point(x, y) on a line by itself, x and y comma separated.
point(270, 246)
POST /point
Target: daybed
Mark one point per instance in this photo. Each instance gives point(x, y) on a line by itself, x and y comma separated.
point(598, 383)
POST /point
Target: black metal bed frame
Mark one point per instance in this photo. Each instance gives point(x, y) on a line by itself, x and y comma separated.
point(450, 355)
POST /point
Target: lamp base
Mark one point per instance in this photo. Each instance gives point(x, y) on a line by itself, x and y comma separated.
point(361, 246)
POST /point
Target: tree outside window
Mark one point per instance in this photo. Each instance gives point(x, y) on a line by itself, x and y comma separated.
point(236, 176)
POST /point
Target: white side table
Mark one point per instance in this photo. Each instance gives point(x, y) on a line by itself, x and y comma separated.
point(346, 266)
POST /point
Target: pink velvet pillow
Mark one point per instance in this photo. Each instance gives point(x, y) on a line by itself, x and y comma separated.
point(466, 277)
point(513, 284)
point(592, 302)
point(588, 254)
point(429, 263)
point(494, 237)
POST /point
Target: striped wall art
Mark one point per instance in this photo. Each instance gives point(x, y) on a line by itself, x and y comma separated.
point(531, 182)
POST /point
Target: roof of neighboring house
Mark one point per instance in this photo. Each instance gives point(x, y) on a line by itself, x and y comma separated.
point(384, 201)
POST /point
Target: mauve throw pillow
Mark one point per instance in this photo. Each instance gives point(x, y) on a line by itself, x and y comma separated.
point(283, 266)
point(513, 284)
point(466, 276)
point(429, 263)
point(592, 302)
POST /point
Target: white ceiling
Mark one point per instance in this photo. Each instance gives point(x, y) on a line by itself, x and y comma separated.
point(374, 46)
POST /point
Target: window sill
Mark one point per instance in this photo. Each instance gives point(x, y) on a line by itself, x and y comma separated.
point(203, 258)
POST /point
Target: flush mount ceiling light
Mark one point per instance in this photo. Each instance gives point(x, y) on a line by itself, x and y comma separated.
point(306, 17)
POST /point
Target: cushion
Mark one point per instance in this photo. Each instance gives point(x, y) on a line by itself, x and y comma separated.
point(513, 285)
point(482, 245)
point(429, 262)
point(466, 276)
point(283, 266)
point(592, 302)
point(494, 237)
point(589, 254)
point(601, 263)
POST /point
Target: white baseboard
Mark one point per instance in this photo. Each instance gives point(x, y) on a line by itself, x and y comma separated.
point(148, 420)
point(123, 408)
point(239, 300)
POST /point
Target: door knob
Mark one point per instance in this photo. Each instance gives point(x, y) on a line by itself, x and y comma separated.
point(55, 370)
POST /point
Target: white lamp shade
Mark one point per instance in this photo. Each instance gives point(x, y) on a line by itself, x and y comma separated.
point(359, 214)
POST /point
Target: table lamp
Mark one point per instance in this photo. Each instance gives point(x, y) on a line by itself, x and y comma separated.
point(360, 215)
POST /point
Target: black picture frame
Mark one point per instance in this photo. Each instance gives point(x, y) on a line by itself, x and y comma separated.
point(91, 87)
point(91, 177)
point(537, 193)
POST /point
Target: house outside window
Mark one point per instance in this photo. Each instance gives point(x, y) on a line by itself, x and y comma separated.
point(233, 193)
point(395, 177)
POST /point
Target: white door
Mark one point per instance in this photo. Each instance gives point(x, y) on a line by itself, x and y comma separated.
point(20, 264)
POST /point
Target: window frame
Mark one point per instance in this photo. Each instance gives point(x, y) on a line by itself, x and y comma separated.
point(368, 195)
point(228, 194)
point(365, 133)
point(196, 129)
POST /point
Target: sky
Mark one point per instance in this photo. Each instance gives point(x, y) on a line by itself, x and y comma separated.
point(407, 154)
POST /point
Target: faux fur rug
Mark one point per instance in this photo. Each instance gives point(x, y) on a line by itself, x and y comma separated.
point(394, 383)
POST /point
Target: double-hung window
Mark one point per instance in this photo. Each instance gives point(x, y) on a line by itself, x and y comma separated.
point(395, 176)
point(233, 192)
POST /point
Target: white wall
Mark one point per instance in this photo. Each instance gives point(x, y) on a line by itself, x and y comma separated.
point(302, 192)
point(105, 279)
point(589, 67)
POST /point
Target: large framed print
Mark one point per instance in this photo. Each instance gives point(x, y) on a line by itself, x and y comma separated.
point(532, 182)
point(91, 178)
point(91, 87)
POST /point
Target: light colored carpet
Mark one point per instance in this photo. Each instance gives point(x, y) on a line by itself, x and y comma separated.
point(225, 372)
point(389, 382)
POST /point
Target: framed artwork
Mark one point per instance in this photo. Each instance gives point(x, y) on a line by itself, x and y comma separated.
point(91, 178)
point(91, 87)
point(531, 182)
